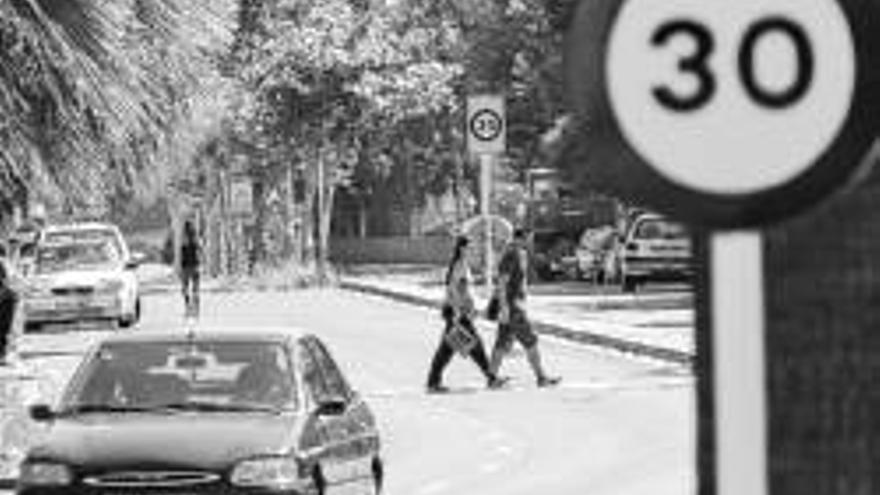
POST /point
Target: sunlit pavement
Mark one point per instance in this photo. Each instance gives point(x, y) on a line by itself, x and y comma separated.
point(616, 425)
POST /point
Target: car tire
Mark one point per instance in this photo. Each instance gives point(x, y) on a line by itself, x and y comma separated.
point(129, 321)
point(32, 327)
point(629, 284)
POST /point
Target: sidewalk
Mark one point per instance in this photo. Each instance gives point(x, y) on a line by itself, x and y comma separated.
point(657, 324)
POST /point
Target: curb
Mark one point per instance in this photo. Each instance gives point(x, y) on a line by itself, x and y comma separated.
point(582, 337)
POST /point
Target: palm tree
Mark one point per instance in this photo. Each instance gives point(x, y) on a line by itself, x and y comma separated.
point(86, 89)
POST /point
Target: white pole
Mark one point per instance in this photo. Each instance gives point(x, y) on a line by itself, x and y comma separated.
point(738, 353)
point(486, 167)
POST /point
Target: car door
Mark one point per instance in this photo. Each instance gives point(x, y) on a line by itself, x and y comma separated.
point(346, 462)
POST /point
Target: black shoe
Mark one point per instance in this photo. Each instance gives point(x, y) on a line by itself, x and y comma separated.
point(437, 389)
point(549, 381)
point(497, 382)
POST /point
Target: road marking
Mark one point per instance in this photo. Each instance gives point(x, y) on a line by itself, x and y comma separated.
point(433, 487)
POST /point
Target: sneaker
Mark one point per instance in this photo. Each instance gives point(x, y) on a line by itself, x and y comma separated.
point(549, 381)
point(497, 382)
point(437, 389)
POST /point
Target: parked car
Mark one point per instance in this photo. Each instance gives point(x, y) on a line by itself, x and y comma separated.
point(214, 411)
point(655, 248)
point(84, 280)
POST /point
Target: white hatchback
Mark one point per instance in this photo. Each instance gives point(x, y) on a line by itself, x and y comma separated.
point(655, 248)
point(81, 281)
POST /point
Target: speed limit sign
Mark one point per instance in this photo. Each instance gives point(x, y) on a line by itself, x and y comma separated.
point(486, 126)
point(746, 111)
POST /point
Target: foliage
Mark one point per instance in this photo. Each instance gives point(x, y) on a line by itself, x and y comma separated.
point(90, 92)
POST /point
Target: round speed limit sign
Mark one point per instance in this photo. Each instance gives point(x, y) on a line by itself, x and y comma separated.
point(747, 109)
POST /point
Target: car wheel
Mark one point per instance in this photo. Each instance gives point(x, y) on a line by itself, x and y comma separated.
point(32, 327)
point(629, 284)
point(128, 321)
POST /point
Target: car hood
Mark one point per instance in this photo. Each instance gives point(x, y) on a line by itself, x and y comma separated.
point(198, 441)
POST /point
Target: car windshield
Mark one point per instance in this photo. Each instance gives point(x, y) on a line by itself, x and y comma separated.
point(81, 235)
point(657, 229)
point(75, 256)
point(172, 376)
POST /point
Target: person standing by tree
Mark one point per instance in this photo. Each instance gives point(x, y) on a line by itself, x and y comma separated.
point(458, 311)
point(190, 260)
point(8, 301)
point(513, 322)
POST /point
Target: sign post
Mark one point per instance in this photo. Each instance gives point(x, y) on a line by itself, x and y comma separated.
point(732, 116)
point(486, 129)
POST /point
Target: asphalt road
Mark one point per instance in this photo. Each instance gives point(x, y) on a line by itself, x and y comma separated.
point(617, 425)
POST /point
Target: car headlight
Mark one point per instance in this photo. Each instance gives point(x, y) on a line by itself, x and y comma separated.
point(273, 472)
point(37, 291)
point(44, 473)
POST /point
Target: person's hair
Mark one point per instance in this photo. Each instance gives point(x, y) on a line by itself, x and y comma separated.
point(461, 242)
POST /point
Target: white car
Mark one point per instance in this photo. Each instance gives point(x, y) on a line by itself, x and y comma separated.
point(655, 248)
point(81, 281)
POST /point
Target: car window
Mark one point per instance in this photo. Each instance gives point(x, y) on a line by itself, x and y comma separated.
point(157, 374)
point(658, 229)
point(55, 258)
point(327, 377)
point(75, 235)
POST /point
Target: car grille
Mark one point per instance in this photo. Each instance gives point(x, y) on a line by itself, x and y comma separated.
point(69, 291)
point(151, 479)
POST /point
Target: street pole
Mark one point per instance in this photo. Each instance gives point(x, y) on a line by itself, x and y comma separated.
point(738, 313)
point(486, 167)
point(319, 248)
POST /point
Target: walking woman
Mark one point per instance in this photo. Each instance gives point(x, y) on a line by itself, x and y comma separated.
point(459, 309)
point(190, 254)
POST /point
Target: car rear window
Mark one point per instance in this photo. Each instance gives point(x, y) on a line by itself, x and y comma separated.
point(155, 374)
point(77, 235)
point(660, 229)
point(78, 255)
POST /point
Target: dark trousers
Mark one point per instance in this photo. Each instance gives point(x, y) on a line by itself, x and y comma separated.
point(190, 285)
point(444, 353)
point(7, 312)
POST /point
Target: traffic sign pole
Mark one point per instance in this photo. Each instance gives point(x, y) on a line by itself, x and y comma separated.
point(486, 129)
point(487, 162)
point(737, 318)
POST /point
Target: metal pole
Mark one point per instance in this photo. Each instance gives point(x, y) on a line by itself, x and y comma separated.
point(737, 309)
point(486, 167)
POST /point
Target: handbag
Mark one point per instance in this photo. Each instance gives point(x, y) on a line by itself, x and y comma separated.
point(493, 308)
point(459, 339)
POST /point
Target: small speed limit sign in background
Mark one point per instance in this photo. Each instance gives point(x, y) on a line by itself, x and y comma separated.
point(746, 111)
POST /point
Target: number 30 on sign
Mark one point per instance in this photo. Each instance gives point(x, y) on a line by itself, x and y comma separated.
point(735, 100)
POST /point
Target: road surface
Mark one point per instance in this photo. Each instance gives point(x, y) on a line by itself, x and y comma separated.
point(617, 425)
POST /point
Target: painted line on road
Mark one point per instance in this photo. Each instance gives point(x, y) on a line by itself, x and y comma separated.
point(433, 487)
point(636, 384)
point(579, 336)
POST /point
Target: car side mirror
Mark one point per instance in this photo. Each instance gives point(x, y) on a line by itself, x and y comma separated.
point(41, 413)
point(332, 406)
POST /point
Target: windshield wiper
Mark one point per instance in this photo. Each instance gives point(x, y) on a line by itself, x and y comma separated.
point(215, 407)
point(100, 408)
